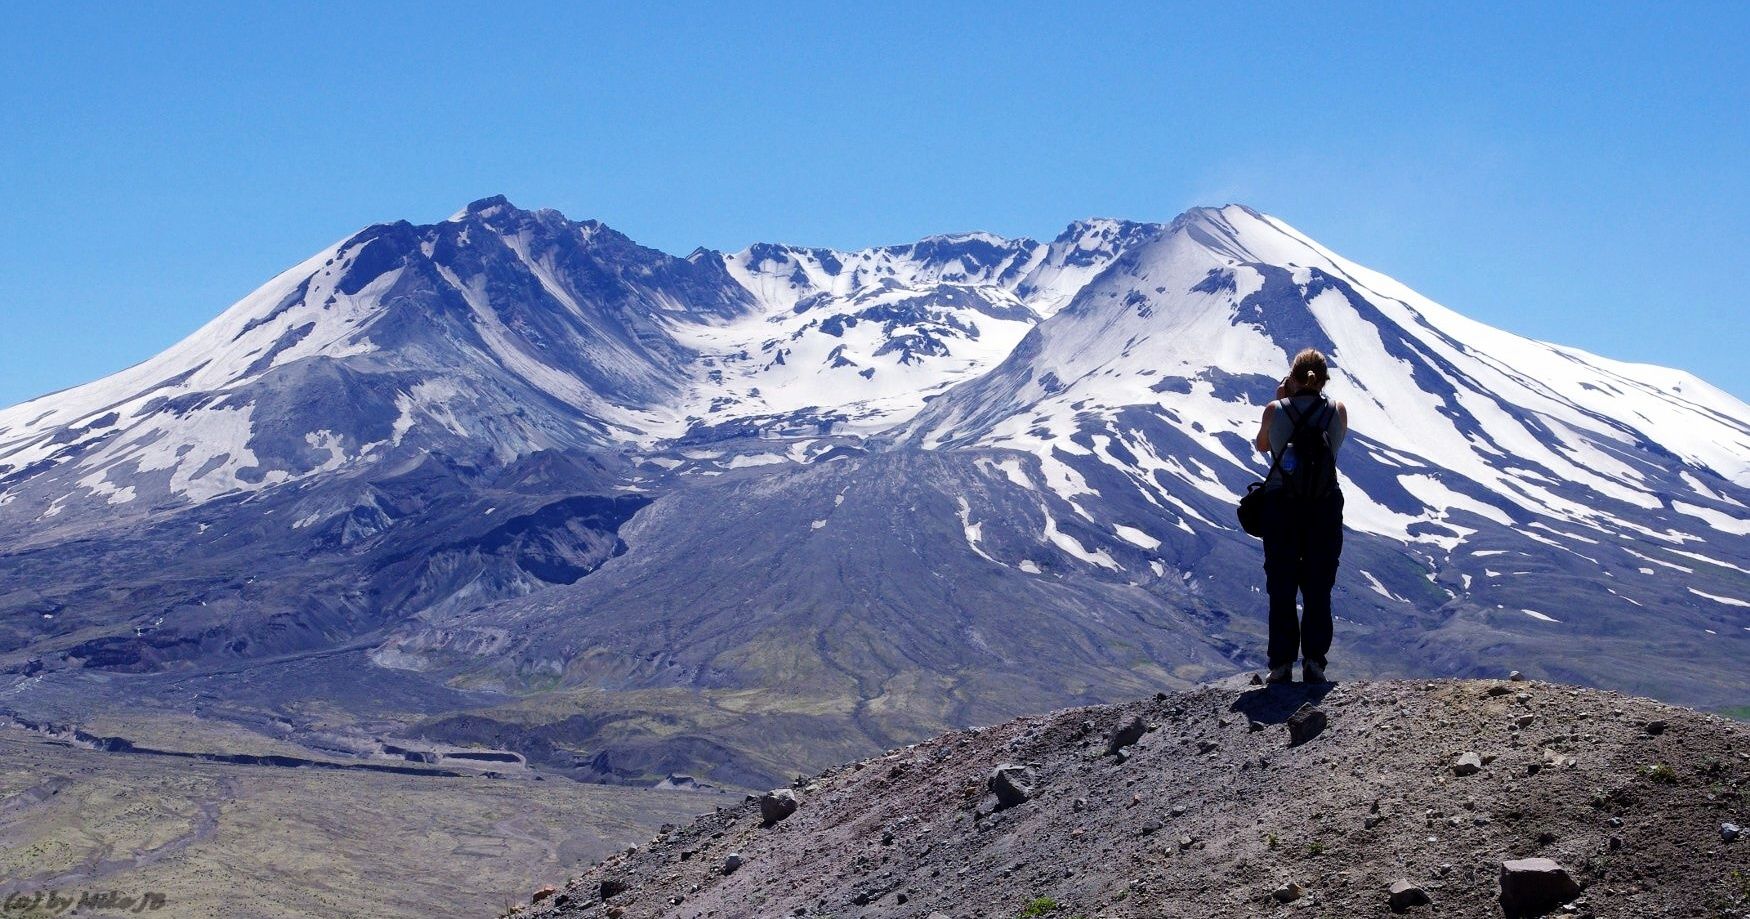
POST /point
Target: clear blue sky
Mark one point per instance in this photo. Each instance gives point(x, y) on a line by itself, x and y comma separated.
point(1576, 173)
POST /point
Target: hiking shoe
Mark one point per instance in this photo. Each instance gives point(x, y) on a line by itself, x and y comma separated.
point(1282, 674)
point(1311, 672)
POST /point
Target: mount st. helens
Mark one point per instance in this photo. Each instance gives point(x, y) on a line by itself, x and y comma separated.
point(512, 479)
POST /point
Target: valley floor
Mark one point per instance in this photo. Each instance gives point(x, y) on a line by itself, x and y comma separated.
point(266, 842)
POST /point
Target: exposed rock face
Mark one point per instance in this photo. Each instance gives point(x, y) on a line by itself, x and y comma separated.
point(1368, 818)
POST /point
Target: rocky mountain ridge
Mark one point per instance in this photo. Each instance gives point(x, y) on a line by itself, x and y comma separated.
point(1354, 799)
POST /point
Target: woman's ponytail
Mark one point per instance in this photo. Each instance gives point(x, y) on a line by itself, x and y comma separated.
point(1309, 371)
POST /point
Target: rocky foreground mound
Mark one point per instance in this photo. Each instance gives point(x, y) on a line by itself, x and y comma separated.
point(1455, 798)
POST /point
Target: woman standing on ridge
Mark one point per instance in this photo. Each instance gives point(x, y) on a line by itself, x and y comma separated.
point(1303, 516)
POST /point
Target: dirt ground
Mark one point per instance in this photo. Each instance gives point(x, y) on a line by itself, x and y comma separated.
point(1213, 812)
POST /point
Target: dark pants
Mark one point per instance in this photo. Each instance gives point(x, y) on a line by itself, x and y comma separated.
point(1302, 540)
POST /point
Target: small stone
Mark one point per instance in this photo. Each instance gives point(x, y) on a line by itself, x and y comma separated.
point(1151, 827)
point(543, 893)
point(1656, 726)
point(1305, 724)
point(1516, 677)
point(1288, 892)
point(612, 887)
point(1257, 680)
point(1533, 886)
point(1468, 764)
point(1498, 690)
point(1730, 831)
point(1403, 895)
point(1206, 746)
point(1011, 784)
point(1127, 733)
point(777, 804)
point(731, 862)
point(1252, 724)
point(1614, 843)
point(1079, 805)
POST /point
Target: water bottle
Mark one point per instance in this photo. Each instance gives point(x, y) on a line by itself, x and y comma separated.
point(1288, 460)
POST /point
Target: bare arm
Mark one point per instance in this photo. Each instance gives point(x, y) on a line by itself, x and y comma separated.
point(1263, 440)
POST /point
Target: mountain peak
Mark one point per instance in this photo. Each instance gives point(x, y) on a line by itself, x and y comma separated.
point(485, 207)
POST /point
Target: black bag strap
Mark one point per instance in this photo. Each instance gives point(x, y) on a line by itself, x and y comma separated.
point(1299, 424)
point(1323, 408)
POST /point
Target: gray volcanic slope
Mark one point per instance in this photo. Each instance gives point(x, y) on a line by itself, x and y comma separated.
point(1214, 812)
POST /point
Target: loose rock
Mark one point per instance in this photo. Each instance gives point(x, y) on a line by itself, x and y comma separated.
point(1729, 831)
point(1402, 895)
point(1306, 723)
point(1468, 764)
point(1127, 733)
point(777, 804)
point(1011, 784)
point(1533, 886)
point(1656, 727)
point(731, 862)
point(1288, 892)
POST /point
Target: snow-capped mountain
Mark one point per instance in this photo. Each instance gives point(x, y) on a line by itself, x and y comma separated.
point(1455, 421)
point(492, 335)
point(514, 451)
point(500, 332)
